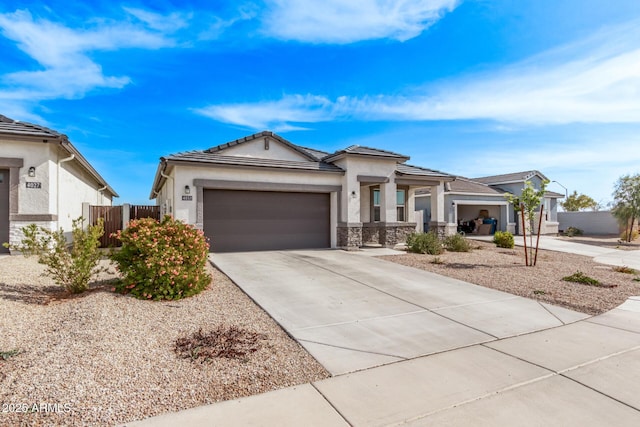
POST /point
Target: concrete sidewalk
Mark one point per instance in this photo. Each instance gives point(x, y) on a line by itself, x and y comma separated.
point(599, 254)
point(583, 374)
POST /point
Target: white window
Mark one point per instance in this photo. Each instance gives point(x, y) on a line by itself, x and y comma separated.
point(401, 201)
point(376, 204)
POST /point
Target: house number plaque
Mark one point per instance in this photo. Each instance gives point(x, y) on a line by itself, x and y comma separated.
point(34, 184)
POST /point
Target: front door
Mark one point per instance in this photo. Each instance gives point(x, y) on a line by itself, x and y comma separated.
point(4, 209)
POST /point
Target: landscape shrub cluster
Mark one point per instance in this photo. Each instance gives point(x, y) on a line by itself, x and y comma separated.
point(425, 243)
point(71, 265)
point(456, 243)
point(624, 236)
point(504, 239)
point(161, 260)
point(429, 243)
point(573, 231)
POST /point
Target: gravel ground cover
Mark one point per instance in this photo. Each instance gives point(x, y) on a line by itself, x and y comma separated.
point(504, 269)
point(102, 358)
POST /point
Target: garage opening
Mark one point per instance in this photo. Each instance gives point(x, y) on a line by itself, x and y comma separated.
point(236, 220)
point(480, 219)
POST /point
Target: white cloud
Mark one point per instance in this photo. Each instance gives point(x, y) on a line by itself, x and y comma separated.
point(593, 81)
point(156, 21)
point(62, 53)
point(341, 21)
point(276, 115)
point(214, 26)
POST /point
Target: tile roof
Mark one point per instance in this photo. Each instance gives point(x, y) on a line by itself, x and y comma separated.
point(319, 155)
point(510, 177)
point(466, 185)
point(405, 169)
point(206, 156)
point(304, 151)
point(366, 151)
point(12, 127)
point(554, 195)
point(23, 129)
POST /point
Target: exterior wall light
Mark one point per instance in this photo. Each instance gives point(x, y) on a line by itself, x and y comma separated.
point(32, 171)
point(187, 190)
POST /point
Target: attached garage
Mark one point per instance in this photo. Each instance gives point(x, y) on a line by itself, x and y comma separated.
point(236, 220)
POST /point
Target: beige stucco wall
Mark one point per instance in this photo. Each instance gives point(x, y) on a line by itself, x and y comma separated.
point(76, 186)
point(352, 209)
point(38, 155)
point(257, 149)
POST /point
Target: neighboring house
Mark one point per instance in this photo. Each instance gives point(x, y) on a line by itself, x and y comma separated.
point(263, 192)
point(43, 180)
point(468, 204)
point(472, 200)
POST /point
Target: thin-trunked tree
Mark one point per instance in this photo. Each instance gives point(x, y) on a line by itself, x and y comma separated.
point(627, 202)
point(526, 205)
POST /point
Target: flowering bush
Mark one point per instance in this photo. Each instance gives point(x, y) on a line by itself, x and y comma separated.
point(161, 260)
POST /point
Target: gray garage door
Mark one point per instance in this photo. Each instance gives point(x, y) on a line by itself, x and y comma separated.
point(265, 220)
point(4, 209)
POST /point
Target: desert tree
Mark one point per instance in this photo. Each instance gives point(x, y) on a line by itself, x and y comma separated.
point(529, 201)
point(626, 202)
point(578, 202)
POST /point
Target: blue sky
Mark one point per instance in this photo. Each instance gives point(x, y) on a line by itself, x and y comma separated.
point(474, 88)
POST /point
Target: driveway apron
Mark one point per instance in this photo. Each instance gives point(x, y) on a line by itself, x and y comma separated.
point(353, 312)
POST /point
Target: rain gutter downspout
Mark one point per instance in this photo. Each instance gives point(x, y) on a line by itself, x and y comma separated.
point(67, 159)
point(100, 190)
point(173, 192)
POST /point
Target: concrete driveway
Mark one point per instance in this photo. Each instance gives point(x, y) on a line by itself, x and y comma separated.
point(354, 312)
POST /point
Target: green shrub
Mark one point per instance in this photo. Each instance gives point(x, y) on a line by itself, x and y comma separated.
point(503, 239)
point(456, 243)
point(161, 260)
point(580, 277)
point(70, 265)
point(5, 355)
point(573, 231)
point(424, 243)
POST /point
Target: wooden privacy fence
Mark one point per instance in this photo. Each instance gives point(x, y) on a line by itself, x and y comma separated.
point(116, 218)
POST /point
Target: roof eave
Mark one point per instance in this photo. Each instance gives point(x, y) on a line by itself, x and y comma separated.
point(204, 163)
point(340, 155)
point(157, 179)
point(443, 178)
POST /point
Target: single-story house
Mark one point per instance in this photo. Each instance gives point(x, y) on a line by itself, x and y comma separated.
point(474, 202)
point(263, 192)
point(43, 180)
point(514, 183)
